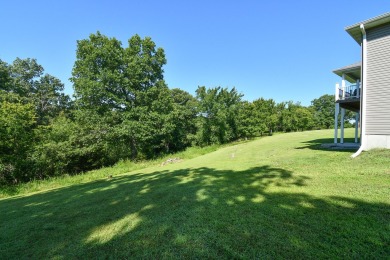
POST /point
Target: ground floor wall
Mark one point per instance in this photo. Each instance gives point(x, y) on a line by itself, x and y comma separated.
point(377, 141)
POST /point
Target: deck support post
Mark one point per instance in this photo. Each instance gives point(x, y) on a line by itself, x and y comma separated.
point(337, 92)
point(342, 125)
point(357, 88)
point(343, 86)
point(336, 116)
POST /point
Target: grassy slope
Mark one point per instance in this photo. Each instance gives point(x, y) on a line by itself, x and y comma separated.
point(278, 196)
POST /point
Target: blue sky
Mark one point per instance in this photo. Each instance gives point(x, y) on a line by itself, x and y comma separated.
point(285, 50)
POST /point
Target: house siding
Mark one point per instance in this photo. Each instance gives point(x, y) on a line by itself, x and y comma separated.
point(378, 81)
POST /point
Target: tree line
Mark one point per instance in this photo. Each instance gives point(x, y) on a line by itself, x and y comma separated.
point(123, 109)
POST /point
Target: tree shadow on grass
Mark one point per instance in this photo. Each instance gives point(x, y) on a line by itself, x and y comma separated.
point(316, 144)
point(193, 213)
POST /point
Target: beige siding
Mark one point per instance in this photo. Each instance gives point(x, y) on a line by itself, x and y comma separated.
point(378, 81)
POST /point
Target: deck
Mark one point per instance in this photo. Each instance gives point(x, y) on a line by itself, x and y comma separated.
point(349, 97)
point(352, 104)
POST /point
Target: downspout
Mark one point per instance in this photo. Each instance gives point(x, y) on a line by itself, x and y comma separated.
point(363, 93)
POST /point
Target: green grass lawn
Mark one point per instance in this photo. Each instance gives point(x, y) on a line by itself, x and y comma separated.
point(275, 197)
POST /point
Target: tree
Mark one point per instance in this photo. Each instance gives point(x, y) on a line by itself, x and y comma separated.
point(108, 77)
point(17, 121)
point(28, 100)
point(217, 118)
point(249, 121)
point(25, 78)
point(266, 109)
point(129, 83)
point(25, 74)
point(75, 145)
point(293, 117)
point(151, 122)
point(304, 117)
point(184, 116)
point(5, 76)
point(324, 110)
point(49, 98)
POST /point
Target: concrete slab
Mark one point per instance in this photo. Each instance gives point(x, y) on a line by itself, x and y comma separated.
point(351, 146)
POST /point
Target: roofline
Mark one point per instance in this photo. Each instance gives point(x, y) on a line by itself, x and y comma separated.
point(347, 70)
point(354, 30)
point(354, 66)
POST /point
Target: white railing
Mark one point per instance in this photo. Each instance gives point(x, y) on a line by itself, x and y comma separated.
point(347, 92)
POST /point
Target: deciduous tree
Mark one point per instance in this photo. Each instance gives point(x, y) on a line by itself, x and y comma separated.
point(17, 121)
point(217, 118)
point(324, 110)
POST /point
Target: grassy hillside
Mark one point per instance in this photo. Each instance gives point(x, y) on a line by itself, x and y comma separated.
point(279, 196)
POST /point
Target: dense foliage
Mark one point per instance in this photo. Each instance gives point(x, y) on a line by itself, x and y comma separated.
point(123, 109)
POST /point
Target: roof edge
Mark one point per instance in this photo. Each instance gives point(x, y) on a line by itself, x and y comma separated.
point(372, 21)
point(349, 71)
point(353, 66)
point(354, 30)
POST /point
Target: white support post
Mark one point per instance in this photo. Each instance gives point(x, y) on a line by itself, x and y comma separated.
point(343, 85)
point(337, 95)
point(358, 88)
point(342, 126)
point(336, 116)
point(356, 126)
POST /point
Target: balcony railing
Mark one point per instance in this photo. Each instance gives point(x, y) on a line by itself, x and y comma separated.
point(347, 92)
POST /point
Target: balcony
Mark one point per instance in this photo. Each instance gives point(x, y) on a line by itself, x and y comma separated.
point(348, 92)
point(348, 96)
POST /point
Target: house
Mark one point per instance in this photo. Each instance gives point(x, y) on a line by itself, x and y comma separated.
point(365, 86)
